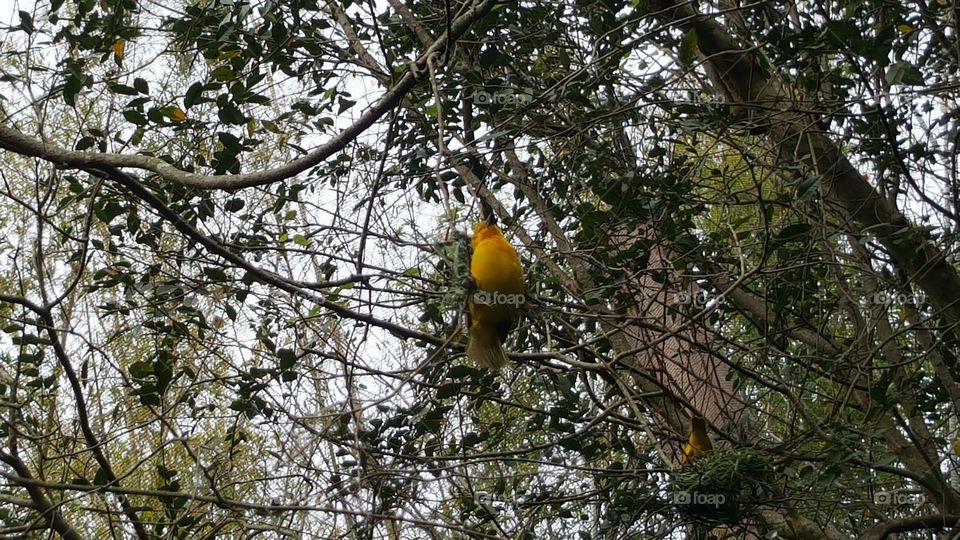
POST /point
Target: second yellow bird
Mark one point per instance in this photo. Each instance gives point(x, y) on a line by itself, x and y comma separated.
point(492, 309)
point(699, 442)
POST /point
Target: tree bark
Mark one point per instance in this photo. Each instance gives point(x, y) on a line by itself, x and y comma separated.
point(745, 79)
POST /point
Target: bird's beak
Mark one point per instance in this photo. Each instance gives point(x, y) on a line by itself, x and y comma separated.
point(491, 219)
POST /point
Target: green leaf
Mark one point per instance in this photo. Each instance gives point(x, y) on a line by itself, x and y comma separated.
point(234, 205)
point(459, 371)
point(135, 117)
point(287, 358)
point(345, 104)
point(793, 233)
point(230, 141)
point(141, 85)
point(71, 88)
point(101, 478)
point(140, 370)
point(223, 73)
point(229, 113)
point(570, 443)
point(123, 90)
point(904, 73)
point(111, 211)
point(808, 187)
point(85, 143)
point(688, 47)
point(239, 405)
point(448, 390)
point(473, 438)
point(215, 273)
point(155, 115)
point(193, 95)
point(490, 57)
point(270, 126)
point(26, 22)
point(151, 399)
point(163, 369)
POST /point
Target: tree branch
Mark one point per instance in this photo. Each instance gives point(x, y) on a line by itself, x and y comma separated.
point(748, 82)
point(15, 141)
point(41, 503)
point(884, 529)
point(83, 417)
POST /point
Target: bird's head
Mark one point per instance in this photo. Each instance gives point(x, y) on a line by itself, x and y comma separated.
point(486, 229)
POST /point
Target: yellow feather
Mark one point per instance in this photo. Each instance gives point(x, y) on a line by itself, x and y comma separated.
point(496, 269)
point(699, 442)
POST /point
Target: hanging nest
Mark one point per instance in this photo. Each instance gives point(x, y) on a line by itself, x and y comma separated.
point(722, 486)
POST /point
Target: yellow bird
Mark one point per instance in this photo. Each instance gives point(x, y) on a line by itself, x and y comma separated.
point(492, 309)
point(699, 442)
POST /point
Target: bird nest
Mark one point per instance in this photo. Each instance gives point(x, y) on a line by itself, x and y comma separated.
point(722, 486)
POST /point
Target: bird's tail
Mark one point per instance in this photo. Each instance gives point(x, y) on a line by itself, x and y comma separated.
point(485, 350)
